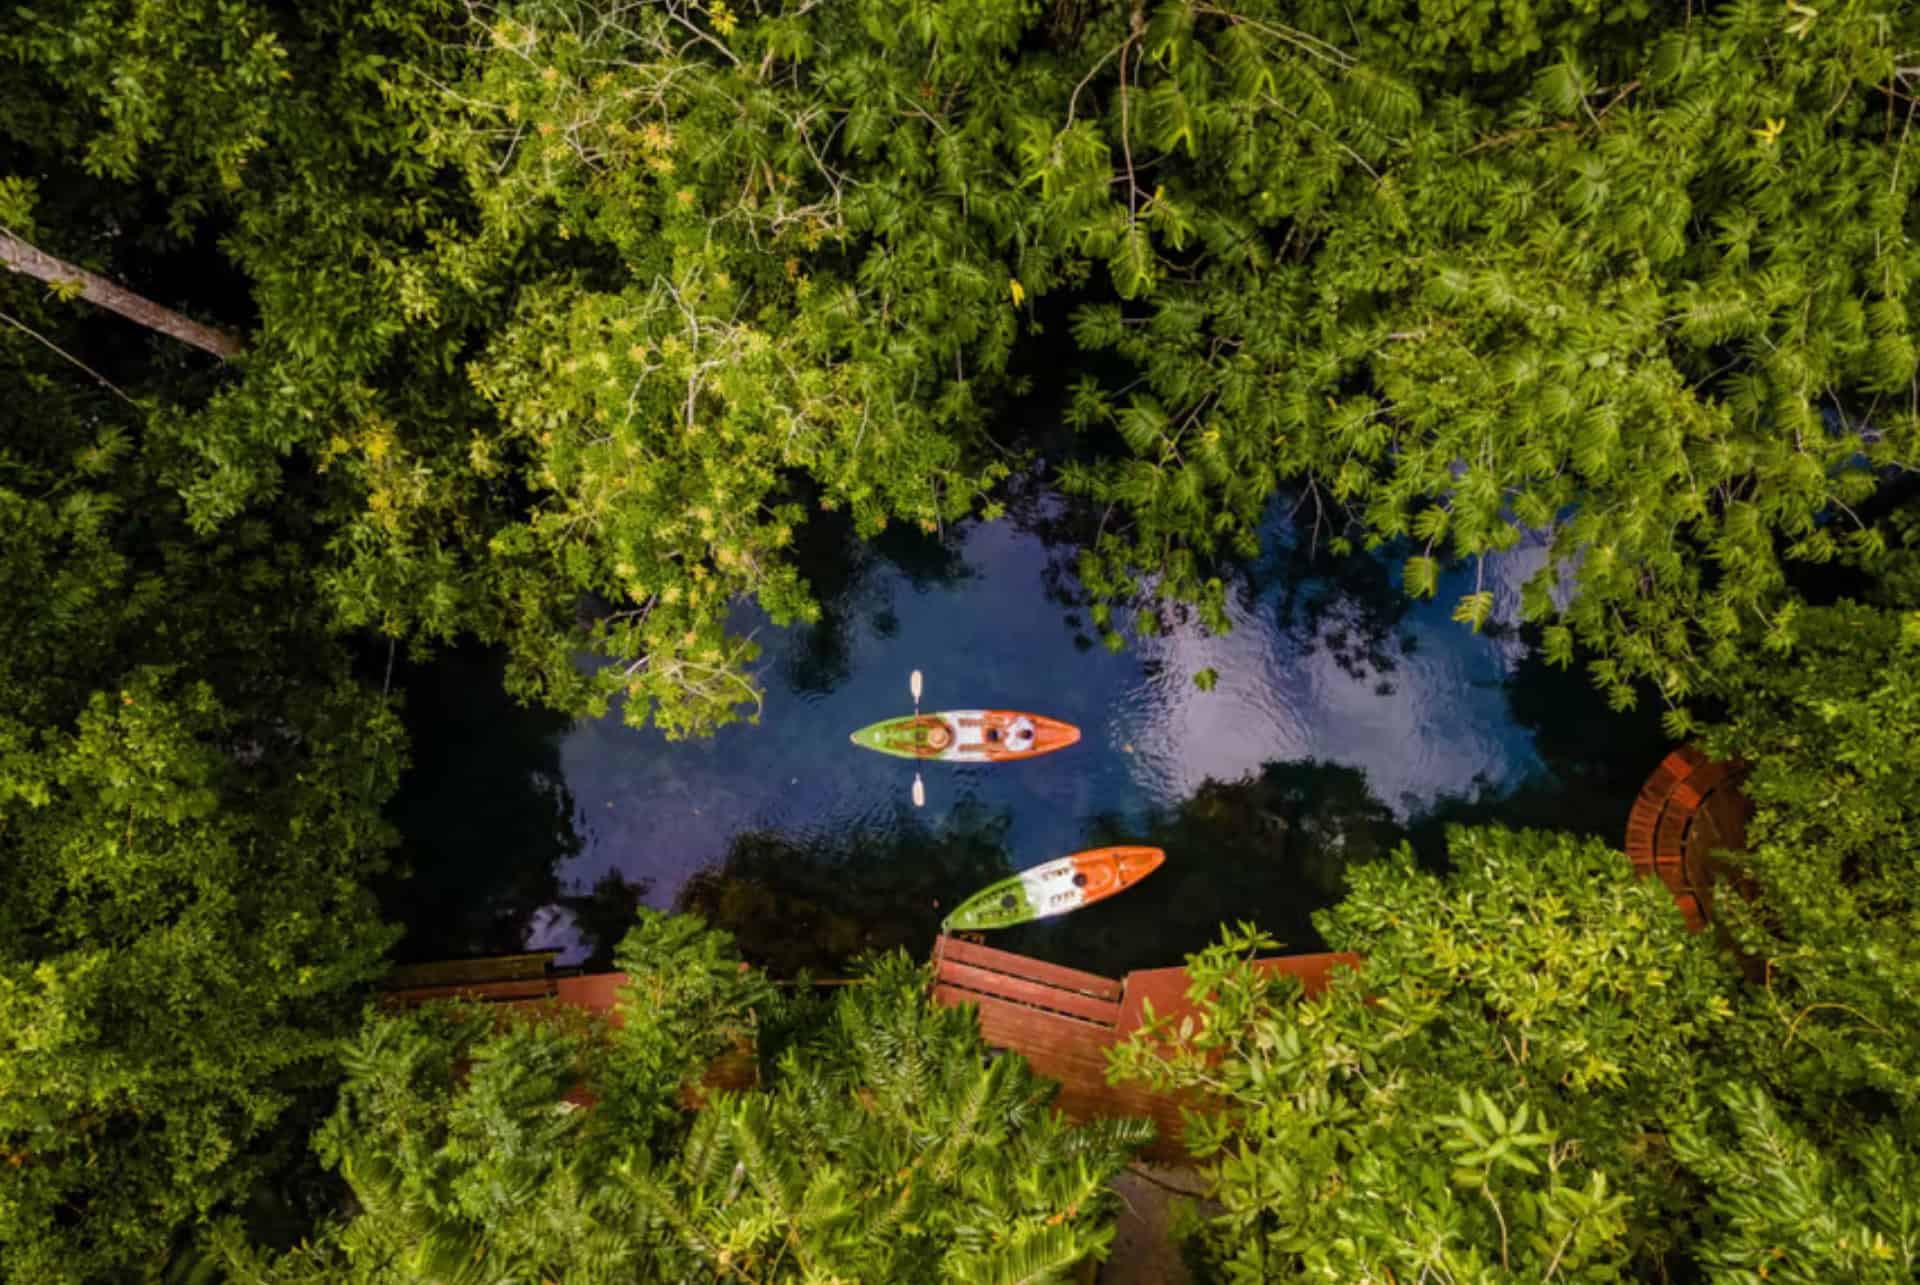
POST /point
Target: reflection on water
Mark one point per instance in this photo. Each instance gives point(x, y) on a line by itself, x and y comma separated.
point(816, 903)
point(485, 817)
point(1341, 708)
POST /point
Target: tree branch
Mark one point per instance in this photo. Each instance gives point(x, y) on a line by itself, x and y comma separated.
point(21, 257)
point(108, 384)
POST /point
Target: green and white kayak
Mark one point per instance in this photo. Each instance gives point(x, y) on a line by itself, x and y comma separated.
point(1055, 888)
point(968, 736)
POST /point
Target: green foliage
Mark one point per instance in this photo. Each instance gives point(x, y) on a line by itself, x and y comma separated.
point(1535, 1073)
point(190, 800)
point(558, 301)
point(1488, 1094)
point(688, 998)
point(564, 315)
point(1832, 731)
point(885, 1146)
point(1786, 1209)
point(1596, 296)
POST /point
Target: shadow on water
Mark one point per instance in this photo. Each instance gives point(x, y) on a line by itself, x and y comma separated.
point(816, 902)
point(488, 823)
point(844, 574)
point(1596, 759)
point(484, 812)
point(1269, 849)
point(1329, 737)
point(601, 916)
point(1351, 606)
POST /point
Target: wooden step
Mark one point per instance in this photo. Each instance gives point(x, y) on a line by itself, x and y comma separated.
point(489, 968)
point(966, 984)
point(479, 992)
point(988, 959)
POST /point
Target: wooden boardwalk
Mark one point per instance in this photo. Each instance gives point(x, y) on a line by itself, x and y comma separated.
point(1063, 1021)
point(496, 978)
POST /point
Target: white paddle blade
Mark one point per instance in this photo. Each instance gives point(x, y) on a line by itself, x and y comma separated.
point(919, 791)
point(913, 685)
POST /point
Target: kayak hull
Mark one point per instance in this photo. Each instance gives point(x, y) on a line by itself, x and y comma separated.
point(968, 736)
point(1055, 888)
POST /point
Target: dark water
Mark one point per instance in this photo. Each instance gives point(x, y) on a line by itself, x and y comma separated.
point(1344, 719)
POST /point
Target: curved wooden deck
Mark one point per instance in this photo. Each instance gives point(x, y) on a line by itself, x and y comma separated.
point(1689, 807)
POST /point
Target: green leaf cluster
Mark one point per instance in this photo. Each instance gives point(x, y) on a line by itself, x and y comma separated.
point(1536, 1073)
point(1825, 900)
point(1596, 299)
point(569, 309)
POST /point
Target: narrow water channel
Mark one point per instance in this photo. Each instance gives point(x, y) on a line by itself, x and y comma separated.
point(1344, 720)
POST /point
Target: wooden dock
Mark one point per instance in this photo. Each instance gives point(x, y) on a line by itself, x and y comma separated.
point(493, 979)
point(1063, 1021)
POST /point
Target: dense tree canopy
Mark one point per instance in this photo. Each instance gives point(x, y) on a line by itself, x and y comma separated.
point(190, 804)
point(882, 1145)
point(1828, 901)
point(555, 301)
point(556, 321)
point(1646, 292)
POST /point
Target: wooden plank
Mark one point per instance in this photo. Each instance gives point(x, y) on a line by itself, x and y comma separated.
point(1166, 988)
point(491, 968)
point(1670, 839)
point(484, 992)
point(1031, 1031)
point(1004, 961)
point(966, 977)
point(1099, 1014)
point(599, 992)
point(1073, 1054)
point(1002, 1010)
point(1001, 961)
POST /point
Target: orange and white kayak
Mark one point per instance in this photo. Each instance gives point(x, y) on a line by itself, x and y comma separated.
point(1055, 888)
point(969, 736)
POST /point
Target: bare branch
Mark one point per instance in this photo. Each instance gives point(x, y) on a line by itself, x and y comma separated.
point(104, 381)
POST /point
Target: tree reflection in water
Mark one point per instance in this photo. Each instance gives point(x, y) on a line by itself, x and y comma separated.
point(1271, 847)
point(841, 571)
point(484, 812)
point(814, 902)
point(487, 822)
